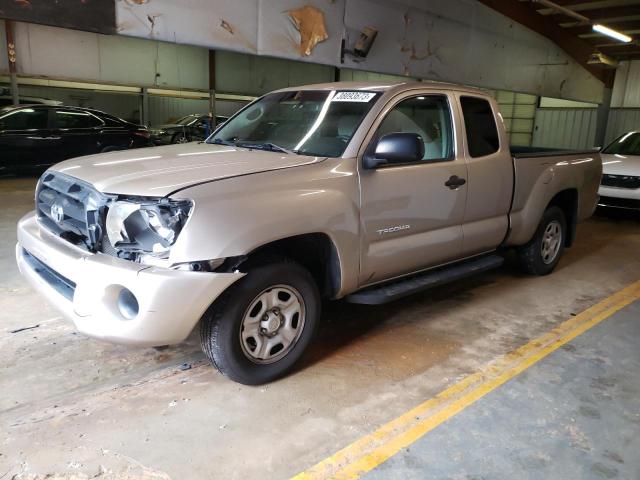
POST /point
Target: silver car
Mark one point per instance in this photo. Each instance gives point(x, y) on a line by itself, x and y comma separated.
point(620, 186)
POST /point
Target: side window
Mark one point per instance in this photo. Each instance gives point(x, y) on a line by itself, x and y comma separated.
point(482, 133)
point(25, 119)
point(428, 116)
point(75, 119)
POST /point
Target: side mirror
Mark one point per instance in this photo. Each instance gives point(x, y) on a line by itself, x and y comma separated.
point(395, 148)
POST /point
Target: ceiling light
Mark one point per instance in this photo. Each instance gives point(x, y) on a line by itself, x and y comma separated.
point(611, 33)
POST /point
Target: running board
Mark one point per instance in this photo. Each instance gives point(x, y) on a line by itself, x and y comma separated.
point(388, 292)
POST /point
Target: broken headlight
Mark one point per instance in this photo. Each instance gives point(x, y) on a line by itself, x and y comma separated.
point(146, 226)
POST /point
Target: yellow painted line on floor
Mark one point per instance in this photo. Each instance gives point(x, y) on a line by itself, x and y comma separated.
point(372, 450)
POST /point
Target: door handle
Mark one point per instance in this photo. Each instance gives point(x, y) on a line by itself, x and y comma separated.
point(454, 182)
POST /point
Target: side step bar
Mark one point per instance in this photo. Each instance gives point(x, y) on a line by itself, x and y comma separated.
point(387, 292)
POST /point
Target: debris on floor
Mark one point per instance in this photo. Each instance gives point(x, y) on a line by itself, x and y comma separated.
point(18, 330)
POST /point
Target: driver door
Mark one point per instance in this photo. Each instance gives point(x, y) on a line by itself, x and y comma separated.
point(410, 219)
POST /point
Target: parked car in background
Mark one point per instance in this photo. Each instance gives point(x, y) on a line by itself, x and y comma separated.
point(620, 186)
point(186, 129)
point(33, 137)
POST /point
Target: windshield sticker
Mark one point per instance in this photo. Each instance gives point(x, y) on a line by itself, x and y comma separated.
point(353, 97)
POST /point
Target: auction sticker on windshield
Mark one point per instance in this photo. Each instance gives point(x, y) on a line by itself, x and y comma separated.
point(353, 97)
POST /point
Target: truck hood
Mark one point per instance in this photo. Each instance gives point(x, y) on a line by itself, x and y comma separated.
point(159, 171)
point(621, 164)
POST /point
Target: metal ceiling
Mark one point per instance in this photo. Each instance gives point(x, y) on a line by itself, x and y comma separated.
point(620, 15)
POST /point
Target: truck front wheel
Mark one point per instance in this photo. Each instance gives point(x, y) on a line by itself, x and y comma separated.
point(541, 255)
point(257, 330)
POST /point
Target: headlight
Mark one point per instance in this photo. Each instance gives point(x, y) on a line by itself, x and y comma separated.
point(146, 226)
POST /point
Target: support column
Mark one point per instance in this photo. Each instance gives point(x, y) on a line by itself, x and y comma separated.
point(212, 86)
point(145, 107)
point(11, 54)
point(602, 118)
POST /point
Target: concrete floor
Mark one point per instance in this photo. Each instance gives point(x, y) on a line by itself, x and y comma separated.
point(573, 415)
point(73, 407)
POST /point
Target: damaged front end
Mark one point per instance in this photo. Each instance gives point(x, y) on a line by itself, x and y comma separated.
point(139, 229)
point(145, 227)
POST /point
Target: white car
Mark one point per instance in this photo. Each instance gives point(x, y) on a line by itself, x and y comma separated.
point(620, 185)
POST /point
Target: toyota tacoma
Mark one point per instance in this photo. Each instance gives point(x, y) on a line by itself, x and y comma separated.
point(355, 191)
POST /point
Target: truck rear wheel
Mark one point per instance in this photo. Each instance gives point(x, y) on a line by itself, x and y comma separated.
point(541, 255)
point(261, 326)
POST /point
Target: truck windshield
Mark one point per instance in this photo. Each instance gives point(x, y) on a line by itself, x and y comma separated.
point(628, 144)
point(308, 122)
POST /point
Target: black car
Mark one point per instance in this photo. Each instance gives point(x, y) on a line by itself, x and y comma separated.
point(33, 137)
point(186, 129)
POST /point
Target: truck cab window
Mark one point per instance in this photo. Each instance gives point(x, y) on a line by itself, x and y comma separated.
point(308, 122)
point(428, 116)
point(480, 124)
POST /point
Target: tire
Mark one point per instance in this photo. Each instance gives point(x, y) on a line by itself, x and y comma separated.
point(231, 338)
point(541, 255)
point(179, 138)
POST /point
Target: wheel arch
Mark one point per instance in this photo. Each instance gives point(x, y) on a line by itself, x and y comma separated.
point(567, 201)
point(317, 252)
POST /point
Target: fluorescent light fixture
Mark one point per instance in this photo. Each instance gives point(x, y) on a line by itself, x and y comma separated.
point(611, 33)
point(178, 93)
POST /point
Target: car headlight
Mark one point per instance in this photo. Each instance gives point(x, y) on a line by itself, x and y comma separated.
point(146, 226)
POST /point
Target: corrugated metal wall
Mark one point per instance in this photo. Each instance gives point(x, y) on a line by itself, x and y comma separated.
point(565, 127)
point(518, 111)
point(622, 120)
point(167, 109)
point(626, 89)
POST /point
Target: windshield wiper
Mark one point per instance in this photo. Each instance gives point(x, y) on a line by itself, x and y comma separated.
point(219, 141)
point(264, 146)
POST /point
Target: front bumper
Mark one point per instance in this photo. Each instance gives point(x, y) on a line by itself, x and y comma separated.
point(85, 288)
point(625, 198)
point(164, 139)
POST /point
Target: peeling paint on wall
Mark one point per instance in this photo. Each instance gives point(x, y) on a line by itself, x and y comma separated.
point(309, 21)
point(450, 40)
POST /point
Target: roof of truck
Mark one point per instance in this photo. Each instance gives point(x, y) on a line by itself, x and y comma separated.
point(385, 86)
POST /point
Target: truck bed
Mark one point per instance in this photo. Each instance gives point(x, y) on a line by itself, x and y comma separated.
point(542, 173)
point(536, 152)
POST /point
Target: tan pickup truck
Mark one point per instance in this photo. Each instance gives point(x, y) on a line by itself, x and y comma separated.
point(367, 192)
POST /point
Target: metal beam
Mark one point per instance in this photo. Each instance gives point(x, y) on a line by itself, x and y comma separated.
point(600, 14)
point(525, 14)
point(561, 10)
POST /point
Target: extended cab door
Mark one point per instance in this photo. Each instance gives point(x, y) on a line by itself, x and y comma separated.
point(411, 213)
point(490, 175)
